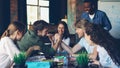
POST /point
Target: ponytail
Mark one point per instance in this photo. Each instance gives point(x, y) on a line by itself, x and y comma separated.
point(6, 33)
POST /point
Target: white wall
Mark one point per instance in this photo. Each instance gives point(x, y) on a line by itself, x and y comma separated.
point(112, 10)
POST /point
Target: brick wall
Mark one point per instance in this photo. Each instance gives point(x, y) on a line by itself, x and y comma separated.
point(13, 10)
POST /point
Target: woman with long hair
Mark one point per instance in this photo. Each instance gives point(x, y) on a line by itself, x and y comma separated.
point(63, 32)
point(105, 45)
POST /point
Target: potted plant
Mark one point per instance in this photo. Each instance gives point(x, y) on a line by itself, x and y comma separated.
point(82, 60)
point(19, 60)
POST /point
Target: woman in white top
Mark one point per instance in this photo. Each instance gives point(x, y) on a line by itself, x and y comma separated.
point(8, 47)
point(106, 48)
point(62, 30)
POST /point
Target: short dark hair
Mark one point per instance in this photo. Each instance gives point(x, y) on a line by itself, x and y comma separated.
point(92, 2)
point(20, 26)
point(40, 25)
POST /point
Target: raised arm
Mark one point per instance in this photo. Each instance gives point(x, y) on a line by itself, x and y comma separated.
point(55, 41)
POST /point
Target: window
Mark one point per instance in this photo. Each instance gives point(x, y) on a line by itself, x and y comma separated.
point(37, 10)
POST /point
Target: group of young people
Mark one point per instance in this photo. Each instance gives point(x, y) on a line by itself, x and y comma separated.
point(96, 40)
point(93, 33)
point(15, 39)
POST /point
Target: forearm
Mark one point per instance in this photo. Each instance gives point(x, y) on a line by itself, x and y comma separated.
point(28, 52)
point(67, 48)
point(55, 45)
point(94, 54)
